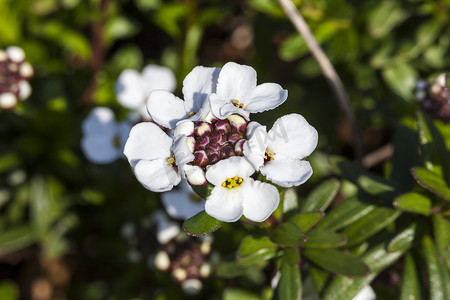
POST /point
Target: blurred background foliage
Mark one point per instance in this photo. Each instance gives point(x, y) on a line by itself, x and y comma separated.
point(384, 222)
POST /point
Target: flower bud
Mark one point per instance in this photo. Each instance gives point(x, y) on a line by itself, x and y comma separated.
point(195, 175)
point(228, 151)
point(212, 147)
point(239, 147)
point(238, 123)
point(162, 261)
point(15, 54)
point(217, 137)
point(205, 270)
point(222, 126)
point(201, 159)
point(179, 274)
point(191, 143)
point(202, 142)
point(191, 286)
point(234, 137)
point(8, 100)
point(202, 128)
point(213, 157)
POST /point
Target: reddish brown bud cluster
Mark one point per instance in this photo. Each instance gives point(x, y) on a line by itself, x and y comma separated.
point(218, 140)
point(434, 98)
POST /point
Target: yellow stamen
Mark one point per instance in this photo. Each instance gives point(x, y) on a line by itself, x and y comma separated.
point(191, 114)
point(232, 182)
point(171, 161)
point(236, 103)
point(269, 155)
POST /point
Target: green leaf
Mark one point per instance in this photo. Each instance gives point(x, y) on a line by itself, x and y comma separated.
point(347, 212)
point(307, 220)
point(127, 57)
point(413, 202)
point(410, 281)
point(201, 224)
point(337, 261)
point(255, 250)
point(290, 284)
point(322, 238)
point(145, 5)
point(441, 231)
point(9, 290)
point(345, 168)
point(379, 186)
point(387, 15)
point(377, 259)
point(404, 240)
point(8, 161)
point(437, 274)
point(119, 27)
point(288, 234)
point(290, 201)
point(434, 150)
point(168, 16)
point(268, 7)
point(203, 190)
point(403, 158)
point(15, 238)
point(432, 182)
point(322, 196)
point(401, 77)
point(233, 293)
point(230, 269)
point(373, 222)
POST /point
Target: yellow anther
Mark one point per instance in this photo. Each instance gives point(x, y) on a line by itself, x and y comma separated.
point(236, 103)
point(269, 156)
point(191, 114)
point(171, 161)
point(232, 182)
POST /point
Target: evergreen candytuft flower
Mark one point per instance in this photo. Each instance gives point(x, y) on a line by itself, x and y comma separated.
point(210, 141)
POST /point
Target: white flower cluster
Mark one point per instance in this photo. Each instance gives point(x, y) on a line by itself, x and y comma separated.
point(103, 137)
point(14, 75)
point(212, 141)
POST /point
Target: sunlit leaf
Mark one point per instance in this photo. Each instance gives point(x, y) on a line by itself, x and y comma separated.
point(441, 230)
point(201, 224)
point(403, 240)
point(322, 196)
point(322, 238)
point(290, 284)
point(432, 182)
point(254, 250)
point(16, 238)
point(413, 202)
point(307, 220)
point(411, 287)
point(288, 234)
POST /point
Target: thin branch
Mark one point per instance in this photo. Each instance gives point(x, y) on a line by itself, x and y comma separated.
point(374, 158)
point(327, 69)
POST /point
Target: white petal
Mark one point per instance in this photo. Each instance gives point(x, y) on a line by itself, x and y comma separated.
point(264, 97)
point(235, 81)
point(204, 113)
point(147, 141)
point(197, 85)
point(261, 200)
point(156, 77)
point(225, 204)
point(8, 100)
point(156, 175)
point(24, 89)
point(185, 127)
point(287, 172)
point(182, 203)
point(165, 229)
point(195, 175)
point(166, 109)
point(366, 293)
point(229, 168)
point(100, 122)
point(100, 149)
point(223, 108)
point(256, 144)
point(182, 152)
point(16, 54)
point(129, 89)
point(291, 135)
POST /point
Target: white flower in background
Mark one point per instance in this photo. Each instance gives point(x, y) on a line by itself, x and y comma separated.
point(366, 293)
point(166, 230)
point(237, 93)
point(133, 88)
point(154, 157)
point(236, 194)
point(14, 75)
point(278, 154)
point(167, 110)
point(103, 137)
point(182, 203)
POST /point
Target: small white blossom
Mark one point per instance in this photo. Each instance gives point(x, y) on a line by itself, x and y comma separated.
point(366, 293)
point(103, 137)
point(167, 110)
point(155, 157)
point(237, 93)
point(166, 230)
point(278, 154)
point(236, 193)
point(182, 203)
point(133, 88)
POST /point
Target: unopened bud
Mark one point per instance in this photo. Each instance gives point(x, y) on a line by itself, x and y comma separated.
point(228, 151)
point(202, 128)
point(15, 54)
point(8, 100)
point(234, 137)
point(239, 147)
point(191, 286)
point(179, 274)
point(191, 143)
point(205, 270)
point(162, 261)
point(213, 158)
point(195, 175)
point(222, 126)
point(202, 142)
point(238, 123)
point(200, 158)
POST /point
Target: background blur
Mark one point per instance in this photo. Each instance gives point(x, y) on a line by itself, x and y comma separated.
point(61, 216)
